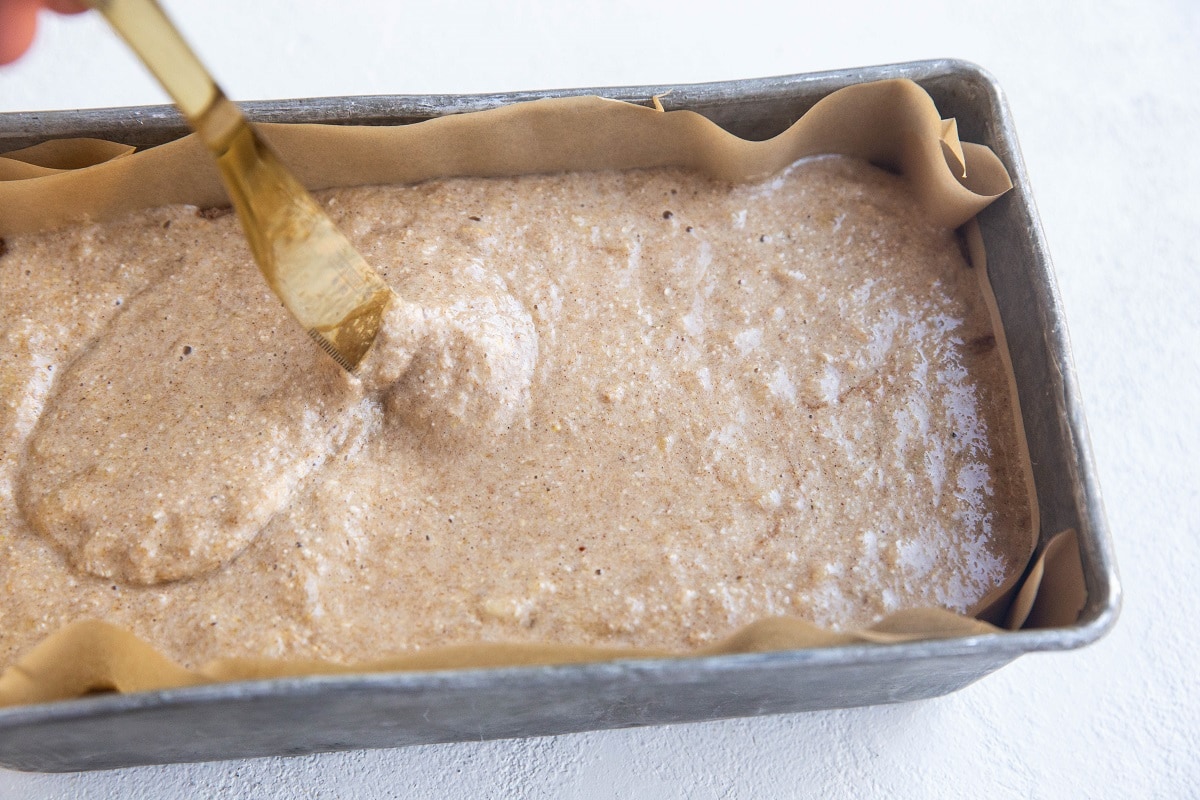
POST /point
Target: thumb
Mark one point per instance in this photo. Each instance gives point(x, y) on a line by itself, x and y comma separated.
point(18, 20)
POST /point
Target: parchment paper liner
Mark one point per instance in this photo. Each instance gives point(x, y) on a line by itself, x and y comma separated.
point(893, 124)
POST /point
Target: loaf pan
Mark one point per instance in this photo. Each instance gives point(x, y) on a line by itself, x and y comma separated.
point(305, 715)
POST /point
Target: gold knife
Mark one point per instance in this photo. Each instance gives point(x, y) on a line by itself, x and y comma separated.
point(321, 279)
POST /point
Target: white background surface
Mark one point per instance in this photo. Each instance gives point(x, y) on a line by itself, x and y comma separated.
point(1105, 100)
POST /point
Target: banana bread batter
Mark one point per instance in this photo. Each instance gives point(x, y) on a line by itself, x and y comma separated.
point(635, 408)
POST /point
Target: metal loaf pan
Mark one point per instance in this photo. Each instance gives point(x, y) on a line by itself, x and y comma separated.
point(304, 715)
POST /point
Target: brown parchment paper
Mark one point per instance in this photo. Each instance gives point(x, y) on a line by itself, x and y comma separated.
point(893, 124)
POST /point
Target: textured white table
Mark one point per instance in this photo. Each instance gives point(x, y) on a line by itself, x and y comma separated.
point(1107, 111)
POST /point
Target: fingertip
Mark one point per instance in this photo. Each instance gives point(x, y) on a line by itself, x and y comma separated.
point(18, 21)
point(65, 6)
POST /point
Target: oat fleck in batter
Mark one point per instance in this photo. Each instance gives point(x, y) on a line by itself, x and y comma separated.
point(638, 408)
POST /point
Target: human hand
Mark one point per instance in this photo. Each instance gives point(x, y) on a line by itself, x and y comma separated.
point(18, 21)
